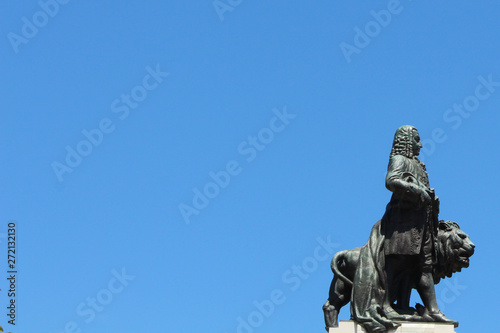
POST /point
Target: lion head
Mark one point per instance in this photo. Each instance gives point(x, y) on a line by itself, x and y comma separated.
point(454, 249)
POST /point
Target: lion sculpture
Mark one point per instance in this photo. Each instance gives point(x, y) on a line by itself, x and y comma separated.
point(454, 249)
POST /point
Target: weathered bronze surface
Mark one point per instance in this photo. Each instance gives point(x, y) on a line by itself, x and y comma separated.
point(409, 248)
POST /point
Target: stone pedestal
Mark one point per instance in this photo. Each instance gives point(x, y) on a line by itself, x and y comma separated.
point(349, 326)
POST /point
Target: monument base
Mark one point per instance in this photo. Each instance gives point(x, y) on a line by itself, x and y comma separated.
point(349, 326)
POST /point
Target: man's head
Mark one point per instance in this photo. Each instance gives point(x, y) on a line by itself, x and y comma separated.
point(406, 142)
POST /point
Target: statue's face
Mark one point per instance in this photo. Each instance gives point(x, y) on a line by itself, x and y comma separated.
point(416, 145)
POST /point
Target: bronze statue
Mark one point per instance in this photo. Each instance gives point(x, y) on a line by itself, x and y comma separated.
point(408, 248)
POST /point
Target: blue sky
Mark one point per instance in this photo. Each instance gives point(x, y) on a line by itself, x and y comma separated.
point(118, 114)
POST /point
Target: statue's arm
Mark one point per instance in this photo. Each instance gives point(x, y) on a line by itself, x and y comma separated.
point(403, 184)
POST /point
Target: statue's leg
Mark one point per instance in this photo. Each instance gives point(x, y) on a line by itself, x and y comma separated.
point(408, 281)
point(331, 315)
point(394, 264)
point(425, 288)
point(339, 296)
point(427, 293)
point(405, 293)
point(425, 285)
point(396, 267)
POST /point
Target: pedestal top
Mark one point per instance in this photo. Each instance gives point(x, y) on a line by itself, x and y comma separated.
point(349, 326)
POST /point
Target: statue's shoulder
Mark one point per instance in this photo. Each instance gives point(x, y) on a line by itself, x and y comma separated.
point(399, 162)
point(399, 158)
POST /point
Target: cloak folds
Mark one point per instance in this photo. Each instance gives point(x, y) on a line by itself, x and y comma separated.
point(369, 299)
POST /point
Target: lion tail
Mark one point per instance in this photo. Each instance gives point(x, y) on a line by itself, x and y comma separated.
point(338, 259)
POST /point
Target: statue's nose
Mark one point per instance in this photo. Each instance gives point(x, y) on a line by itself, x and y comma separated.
point(472, 246)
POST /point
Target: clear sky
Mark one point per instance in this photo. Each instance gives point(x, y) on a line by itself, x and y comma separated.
point(184, 166)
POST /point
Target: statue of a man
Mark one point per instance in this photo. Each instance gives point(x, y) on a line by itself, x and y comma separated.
point(401, 251)
point(409, 226)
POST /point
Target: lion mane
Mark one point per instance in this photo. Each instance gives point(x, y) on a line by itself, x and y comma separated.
point(454, 249)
